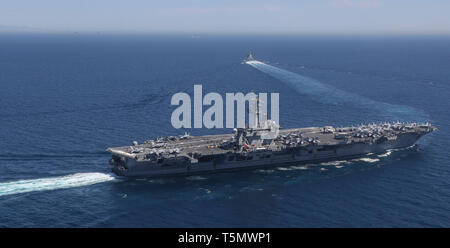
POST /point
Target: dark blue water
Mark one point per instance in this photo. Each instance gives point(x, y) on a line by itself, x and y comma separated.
point(65, 99)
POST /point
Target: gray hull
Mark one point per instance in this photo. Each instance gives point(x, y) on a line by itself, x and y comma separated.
point(230, 161)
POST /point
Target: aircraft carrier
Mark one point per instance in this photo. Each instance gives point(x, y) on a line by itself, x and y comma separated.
point(263, 146)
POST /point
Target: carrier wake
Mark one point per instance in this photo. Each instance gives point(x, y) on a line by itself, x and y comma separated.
point(53, 183)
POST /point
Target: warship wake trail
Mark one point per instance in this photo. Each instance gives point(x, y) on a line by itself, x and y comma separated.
point(324, 93)
point(52, 183)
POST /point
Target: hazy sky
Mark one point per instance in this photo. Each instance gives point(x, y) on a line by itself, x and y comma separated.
point(227, 16)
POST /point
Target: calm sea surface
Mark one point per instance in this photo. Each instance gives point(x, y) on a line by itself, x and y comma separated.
point(64, 99)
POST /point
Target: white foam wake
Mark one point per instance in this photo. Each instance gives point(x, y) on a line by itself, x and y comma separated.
point(367, 160)
point(388, 152)
point(325, 93)
point(335, 163)
point(52, 183)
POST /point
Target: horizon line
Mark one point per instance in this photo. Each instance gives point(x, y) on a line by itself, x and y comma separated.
point(226, 33)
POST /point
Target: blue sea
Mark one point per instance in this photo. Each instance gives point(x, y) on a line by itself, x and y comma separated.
point(64, 99)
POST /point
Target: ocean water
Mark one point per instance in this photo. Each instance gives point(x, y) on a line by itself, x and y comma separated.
point(64, 99)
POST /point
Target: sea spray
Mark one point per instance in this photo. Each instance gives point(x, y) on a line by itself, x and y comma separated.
point(52, 183)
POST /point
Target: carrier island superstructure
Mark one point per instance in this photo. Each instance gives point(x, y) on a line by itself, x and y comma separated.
point(262, 146)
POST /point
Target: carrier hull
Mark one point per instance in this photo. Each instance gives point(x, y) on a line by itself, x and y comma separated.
point(204, 155)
